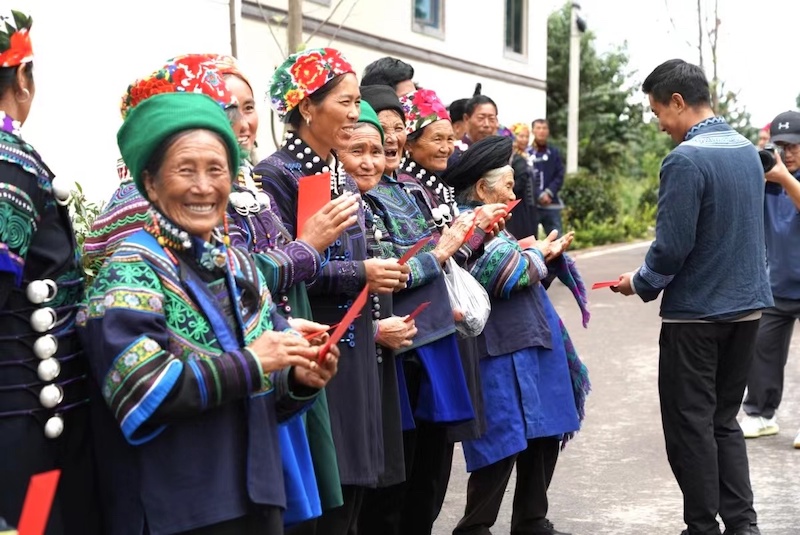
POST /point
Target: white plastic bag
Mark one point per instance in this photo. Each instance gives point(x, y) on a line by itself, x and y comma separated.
point(469, 297)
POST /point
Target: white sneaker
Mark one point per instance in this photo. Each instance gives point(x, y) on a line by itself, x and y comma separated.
point(758, 426)
point(797, 440)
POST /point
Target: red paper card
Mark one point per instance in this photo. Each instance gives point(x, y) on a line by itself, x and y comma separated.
point(313, 192)
point(417, 310)
point(352, 314)
point(38, 500)
point(604, 284)
point(311, 336)
point(414, 250)
point(527, 243)
point(509, 206)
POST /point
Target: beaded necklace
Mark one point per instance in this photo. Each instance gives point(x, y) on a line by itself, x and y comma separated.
point(310, 160)
point(448, 209)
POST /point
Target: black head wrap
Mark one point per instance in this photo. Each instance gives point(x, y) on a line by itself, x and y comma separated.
point(489, 153)
point(382, 97)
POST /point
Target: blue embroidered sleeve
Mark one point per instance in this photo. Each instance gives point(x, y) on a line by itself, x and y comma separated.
point(504, 267)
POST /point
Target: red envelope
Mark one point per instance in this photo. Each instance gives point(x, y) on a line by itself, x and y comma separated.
point(313, 192)
point(414, 250)
point(311, 336)
point(352, 314)
point(416, 311)
point(527, 243)
point(604, 284)
point(38, 501)
point(509, 206)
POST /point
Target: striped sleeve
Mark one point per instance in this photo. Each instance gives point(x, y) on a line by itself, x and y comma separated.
point(123, 326)
point(504, 267)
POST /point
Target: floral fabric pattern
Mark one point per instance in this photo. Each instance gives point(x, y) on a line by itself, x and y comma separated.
point(302, 74)
point(422, 107)
point(15, 39)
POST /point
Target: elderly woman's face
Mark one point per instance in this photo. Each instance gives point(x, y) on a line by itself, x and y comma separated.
point(332, 120)
point(247, 125)
point(193, 183)
point(436, 144)
point(394, 132)
point(501, 191)
point(363, 159)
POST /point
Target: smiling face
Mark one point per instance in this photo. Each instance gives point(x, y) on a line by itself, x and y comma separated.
point(192, 185)
point(363, 159)
point(432, 149)
point(670, 116)
point(394, 131)
point(247, 125)
point(331, 121)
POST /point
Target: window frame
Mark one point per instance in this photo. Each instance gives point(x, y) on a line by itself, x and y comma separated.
point(427, 29)
point(509, 52)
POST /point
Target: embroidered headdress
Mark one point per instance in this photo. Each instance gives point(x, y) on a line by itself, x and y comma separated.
point(190, 73)
point(302, 74)
point(229, 65)
point(422, 107)
point(15, 39)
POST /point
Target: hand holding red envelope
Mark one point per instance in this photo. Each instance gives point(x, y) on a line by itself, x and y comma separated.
point(416, 311)
point(605, 284)
point(347, 320)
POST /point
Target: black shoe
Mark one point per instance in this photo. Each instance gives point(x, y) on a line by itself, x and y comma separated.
point(747, 530)
point(546, 527)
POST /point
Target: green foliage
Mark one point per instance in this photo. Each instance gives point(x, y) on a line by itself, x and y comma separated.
point(83, 214)
point(613, 196)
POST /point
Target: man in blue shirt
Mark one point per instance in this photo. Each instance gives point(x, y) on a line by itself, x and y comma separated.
point(549, 177)
point(708, 259)
point(782, 227)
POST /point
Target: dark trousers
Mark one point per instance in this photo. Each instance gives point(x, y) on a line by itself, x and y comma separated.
point(701, 378)
point(411, 507)
point(487, 485)
point(550, 220)
point(268, 521)
point(337, 521)
point(765, 380)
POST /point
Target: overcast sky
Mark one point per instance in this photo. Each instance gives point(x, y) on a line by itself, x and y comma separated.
point(759, 43)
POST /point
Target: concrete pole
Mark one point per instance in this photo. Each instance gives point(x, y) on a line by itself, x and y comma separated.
point(235, 10)
point(574, 89)
point(294, 28)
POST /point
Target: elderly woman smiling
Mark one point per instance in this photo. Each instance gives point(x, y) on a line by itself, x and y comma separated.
point(187, 346)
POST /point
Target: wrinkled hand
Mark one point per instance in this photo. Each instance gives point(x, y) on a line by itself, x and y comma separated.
point(624, 287)
point(453, 237)
point(322, 228)
point(488, 213)
point(395, 333)
point(321, 373)
point(557, 247)
point(277, 350)
point(306, 327)
point(386, 275)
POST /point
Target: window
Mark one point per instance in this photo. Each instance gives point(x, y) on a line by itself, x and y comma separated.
point(429, 17)
point(323, 2)
point(516, 25)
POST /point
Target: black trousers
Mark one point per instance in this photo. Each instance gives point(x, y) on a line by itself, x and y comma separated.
point(338, 521)
point(411, 507)
point(765, 380)
point(487, 485)
point(701, 378)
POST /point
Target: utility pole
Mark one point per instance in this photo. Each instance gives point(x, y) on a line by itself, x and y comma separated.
point(234, 10)
point(577, 27)
point(294, 29)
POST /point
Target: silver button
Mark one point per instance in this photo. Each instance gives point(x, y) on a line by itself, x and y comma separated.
point(50, 396)
point(48, 369)
point(43, 319)
point(45, 346)
point(41, 291)
point(54, 426)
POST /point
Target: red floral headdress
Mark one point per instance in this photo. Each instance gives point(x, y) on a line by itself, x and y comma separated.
point(422, 108)
point(15, 39)
point(191, 73)
point(302, 74)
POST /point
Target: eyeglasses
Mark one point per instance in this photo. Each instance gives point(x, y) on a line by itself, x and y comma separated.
point(789, 147)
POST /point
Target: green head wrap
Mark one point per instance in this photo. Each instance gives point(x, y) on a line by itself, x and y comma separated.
point(158, 117)
point(368, 115)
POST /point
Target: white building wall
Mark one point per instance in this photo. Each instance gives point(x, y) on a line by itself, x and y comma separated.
point(82, 69)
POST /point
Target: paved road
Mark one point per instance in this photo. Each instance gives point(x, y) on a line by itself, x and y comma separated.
point(614, 477)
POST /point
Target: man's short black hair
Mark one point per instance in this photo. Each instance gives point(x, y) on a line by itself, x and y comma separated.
point(387, 71)
point(478, 100)
point(678, 76)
